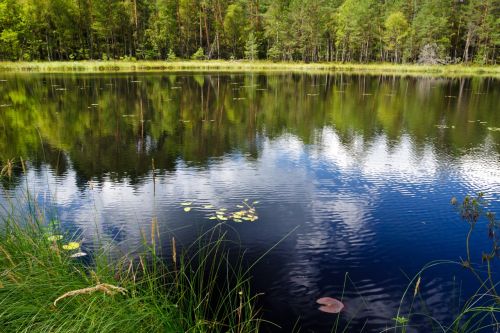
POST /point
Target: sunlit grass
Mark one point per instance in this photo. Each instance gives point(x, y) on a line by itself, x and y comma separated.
point(243, 66)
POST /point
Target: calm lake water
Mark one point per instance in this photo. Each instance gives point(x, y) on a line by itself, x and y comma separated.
point(353, 174)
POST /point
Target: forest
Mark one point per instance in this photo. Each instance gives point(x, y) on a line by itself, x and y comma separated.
point(398, 31)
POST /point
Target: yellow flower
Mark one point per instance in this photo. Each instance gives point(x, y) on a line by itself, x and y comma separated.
point(71, 246)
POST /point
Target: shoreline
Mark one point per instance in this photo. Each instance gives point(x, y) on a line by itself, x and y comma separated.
point(246, 66)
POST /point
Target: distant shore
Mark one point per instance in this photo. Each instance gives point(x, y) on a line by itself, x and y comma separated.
point(247, 66)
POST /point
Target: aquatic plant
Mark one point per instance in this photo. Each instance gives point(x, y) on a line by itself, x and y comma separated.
point(478, 312)
point(7, 168)
point(471, 210)
point(244, 212)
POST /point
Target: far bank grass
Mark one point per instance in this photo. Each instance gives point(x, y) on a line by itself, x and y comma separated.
point(249, 66)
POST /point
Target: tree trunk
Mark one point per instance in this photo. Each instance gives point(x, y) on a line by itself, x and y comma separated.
point(467, 45)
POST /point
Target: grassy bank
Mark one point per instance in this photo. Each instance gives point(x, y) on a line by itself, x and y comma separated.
point(46, 287)
point(247, 66)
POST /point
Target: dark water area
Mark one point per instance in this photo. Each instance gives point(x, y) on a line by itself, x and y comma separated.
point(353, 174)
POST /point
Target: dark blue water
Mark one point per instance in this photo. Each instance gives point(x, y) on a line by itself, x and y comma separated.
point(354, 183)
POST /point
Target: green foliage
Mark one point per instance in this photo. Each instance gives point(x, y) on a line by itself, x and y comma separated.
point(431, 26)
point(199, 54)
point(251, 47)
point(355, 29)
point(234, 27)
point(395, 34)
point(171, 55)
point(320, 30)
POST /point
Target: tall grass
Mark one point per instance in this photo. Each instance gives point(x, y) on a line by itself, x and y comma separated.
point(193, 290)
point(249, 66)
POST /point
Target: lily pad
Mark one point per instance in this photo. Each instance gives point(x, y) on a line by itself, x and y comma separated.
point(330, 305)
point(187, 209)
point(78, 255)
point(71, 246)
point(53, 238)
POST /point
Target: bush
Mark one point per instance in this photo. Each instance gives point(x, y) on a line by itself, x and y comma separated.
point(171, 55)
point(199, 54)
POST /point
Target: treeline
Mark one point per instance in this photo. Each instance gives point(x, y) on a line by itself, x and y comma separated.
point(430, 31)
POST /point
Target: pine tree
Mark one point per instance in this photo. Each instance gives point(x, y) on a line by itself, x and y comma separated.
point(251, 47)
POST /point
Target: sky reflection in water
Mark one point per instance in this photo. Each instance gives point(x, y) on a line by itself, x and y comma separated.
point(364, 170)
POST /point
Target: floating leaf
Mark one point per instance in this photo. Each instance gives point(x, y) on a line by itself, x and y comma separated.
point(186, 203)
point(330, 305)
point(187, 209)
point(255, 202)
point(208, 206)
point(494, 129)
point(222, 209)
point(400, 320)
point(237, 220)
point(71, 246)
point(240, 206)
point(212, 218)
point(78, 255)
point(53, 238)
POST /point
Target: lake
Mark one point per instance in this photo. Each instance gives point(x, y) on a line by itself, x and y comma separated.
point(353, 175)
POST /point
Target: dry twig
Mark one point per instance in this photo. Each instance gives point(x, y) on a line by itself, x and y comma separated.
point(108, 289)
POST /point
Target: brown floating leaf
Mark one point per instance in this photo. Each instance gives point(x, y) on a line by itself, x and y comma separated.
point(330, 305)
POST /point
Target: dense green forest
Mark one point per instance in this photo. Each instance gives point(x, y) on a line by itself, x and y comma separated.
point(430, 31)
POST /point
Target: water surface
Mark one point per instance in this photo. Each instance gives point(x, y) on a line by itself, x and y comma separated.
point(358, 171)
